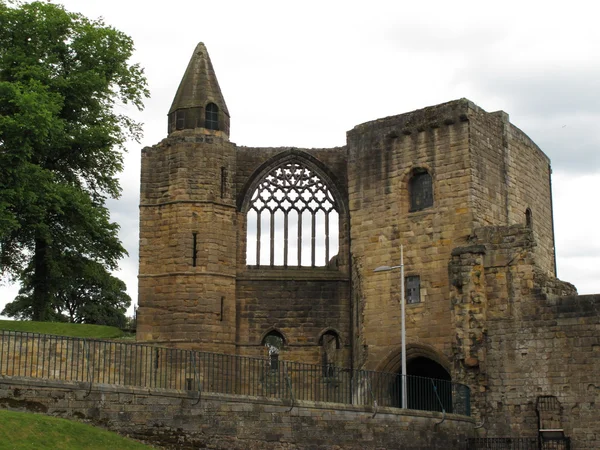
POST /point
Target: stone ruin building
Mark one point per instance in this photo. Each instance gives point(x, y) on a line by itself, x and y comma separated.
point(258, 251)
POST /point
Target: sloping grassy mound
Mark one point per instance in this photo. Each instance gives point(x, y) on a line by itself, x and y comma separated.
point(20, 431)
point(62, 329)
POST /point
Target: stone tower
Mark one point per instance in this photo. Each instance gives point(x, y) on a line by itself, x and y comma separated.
point(188, 220)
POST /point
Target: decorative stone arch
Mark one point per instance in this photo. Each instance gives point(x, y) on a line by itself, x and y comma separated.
point(407, 178)
point(271, 331)
point(393, 362)
point(428, 385)
point(296, 195)
point(274, 342)
point(287, 156)
point(331, 331)
point(408, 172)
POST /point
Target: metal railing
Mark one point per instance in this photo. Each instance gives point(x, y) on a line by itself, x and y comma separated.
point(518, 443)
point(131, 364)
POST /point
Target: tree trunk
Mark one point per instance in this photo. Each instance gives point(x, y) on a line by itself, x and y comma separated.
point(41, 280)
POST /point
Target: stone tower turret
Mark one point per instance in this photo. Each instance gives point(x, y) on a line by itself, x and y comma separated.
point(199, 102)
point(188, 221)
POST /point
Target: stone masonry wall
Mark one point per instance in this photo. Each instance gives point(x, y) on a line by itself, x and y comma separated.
point(510, 174)
point(530, 188)
point(553, 350)
point(301, 309)
point(299, 302)
point(381, 157)
point(176, 419)
point(186, 191)
point(522, 335)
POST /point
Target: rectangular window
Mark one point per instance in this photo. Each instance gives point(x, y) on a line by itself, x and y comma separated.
point(412, 286)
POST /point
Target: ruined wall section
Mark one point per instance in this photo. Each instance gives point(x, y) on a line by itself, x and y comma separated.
point(187, 194)
point(551, 350)
point(531, 188)
point(299, 302)
point(521, 334)
point(381, 157)
point(510, 175)
point(490, 160)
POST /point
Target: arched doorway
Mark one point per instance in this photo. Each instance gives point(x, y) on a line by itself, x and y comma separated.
point(429, 385)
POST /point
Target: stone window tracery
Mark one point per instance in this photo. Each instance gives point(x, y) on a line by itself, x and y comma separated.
point(292, 219)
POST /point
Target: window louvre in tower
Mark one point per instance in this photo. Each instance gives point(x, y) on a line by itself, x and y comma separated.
point(211, 117)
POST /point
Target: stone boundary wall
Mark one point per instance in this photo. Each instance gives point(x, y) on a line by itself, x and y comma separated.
point(554, 350)
point(126, 364)
point(180, 419)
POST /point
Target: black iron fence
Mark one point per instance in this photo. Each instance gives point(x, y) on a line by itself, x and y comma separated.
point(131, 364)
point(532, 443)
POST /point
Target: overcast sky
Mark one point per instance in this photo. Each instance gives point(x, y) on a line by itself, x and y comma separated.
point(303, 73)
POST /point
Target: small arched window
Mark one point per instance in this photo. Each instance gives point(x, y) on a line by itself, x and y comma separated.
point(330, 345)
point(420, 189)
point(273, 342)
point(528, 218)
point(211, 120)
point(292, 219)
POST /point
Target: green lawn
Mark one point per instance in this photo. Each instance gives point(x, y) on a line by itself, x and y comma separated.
point(20, 431)
point(62, 329)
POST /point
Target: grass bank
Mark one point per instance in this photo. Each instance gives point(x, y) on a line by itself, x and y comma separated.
point(63, 329)
point(26, 431)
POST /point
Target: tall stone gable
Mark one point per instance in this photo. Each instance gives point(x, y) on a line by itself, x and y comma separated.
point(465, 192)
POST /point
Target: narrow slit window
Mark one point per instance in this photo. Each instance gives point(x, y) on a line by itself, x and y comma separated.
point(194, 248)
point(292, 219)
point(223, 181)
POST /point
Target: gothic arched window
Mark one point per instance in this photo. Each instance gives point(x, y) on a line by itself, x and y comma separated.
point(292, 219)
point(211, 120)
point(420, 189)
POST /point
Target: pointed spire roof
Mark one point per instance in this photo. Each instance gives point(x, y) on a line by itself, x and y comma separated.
point(199, 86)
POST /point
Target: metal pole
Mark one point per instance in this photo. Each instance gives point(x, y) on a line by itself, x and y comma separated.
point(403, 327)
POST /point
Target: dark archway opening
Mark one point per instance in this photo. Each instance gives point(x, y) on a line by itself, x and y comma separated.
point(428, 386)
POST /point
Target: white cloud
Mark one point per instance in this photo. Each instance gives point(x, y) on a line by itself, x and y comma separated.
point(302, 74)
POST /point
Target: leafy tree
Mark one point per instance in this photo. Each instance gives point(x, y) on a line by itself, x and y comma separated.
point(61, 78)
point(89, 294)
